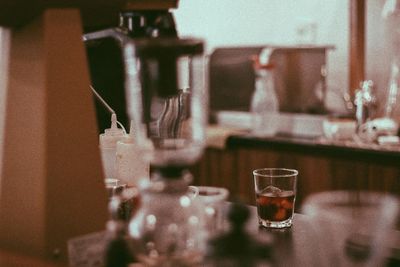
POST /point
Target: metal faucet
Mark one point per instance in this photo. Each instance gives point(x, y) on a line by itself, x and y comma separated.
point(365, 102)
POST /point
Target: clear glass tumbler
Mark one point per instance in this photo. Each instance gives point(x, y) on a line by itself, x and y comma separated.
point(275, 190)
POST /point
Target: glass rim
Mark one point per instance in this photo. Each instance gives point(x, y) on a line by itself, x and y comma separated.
point(217, 194)
point(285, 172)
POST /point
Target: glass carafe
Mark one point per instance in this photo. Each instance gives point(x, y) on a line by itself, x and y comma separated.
point(167, 103)
point(167, 100)
point(168, 229)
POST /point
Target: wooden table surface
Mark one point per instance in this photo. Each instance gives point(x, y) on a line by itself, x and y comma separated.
point(296, 246)
point(14, 259)
point(293, 246)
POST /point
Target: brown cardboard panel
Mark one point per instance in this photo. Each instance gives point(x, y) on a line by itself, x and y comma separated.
point(52, 183)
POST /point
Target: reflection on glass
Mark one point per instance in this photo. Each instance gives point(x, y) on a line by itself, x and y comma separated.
point(351, 227)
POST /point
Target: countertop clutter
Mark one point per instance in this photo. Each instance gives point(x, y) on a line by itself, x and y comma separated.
point(295, 246)
point(232, 136)
point(283, 178)
point(340, 148)
point(323, 164)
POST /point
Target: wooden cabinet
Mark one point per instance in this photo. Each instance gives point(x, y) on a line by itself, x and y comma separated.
point(218, 168)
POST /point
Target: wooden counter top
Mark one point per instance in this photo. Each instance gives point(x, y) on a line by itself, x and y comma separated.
point(14, 259)
point(292, 246)
point(355, 151)
point(322, 165)
point(297, 246)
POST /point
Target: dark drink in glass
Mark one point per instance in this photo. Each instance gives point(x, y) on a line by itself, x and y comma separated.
point(275, 190)
point(275, 207)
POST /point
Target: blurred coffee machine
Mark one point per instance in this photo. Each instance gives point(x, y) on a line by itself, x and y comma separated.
point(299, 76)
point(137, 19)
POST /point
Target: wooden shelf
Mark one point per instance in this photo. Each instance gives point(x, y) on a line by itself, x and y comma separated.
point(357, 44)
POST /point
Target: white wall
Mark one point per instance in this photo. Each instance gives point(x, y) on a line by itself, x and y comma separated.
point(255, 22)
point(382, 34)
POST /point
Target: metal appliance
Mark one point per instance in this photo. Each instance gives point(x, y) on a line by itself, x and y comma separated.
point(166, 100)
point(300, 77)
point(138, 19)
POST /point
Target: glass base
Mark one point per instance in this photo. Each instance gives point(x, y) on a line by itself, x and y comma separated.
point(274, 224)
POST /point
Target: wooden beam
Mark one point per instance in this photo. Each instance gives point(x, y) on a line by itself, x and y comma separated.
point(52, 185)
point(150, 4)
point(357, 44)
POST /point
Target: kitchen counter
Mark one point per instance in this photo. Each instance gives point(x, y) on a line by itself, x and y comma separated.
point(352, 150)
point(233, 154)
point(12, 258)
point(295, 246)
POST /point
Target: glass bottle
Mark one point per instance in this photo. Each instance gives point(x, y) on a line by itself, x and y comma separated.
point(167, 230)
point(264, 103)
point(130, 167)
point(108, 143)
point(366, 105)
point(393, 98)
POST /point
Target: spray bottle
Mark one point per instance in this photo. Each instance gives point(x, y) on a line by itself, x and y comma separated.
point(108, 146)
point(264, 104)
point(130, 165)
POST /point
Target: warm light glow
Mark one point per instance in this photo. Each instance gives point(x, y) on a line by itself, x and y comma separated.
point(151, 220)
point(210, 211)
point(185, 201)
point(193, 220)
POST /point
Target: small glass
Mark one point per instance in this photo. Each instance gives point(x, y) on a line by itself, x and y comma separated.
point(275, 190)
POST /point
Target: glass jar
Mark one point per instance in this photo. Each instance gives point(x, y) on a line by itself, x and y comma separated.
point(168, 229)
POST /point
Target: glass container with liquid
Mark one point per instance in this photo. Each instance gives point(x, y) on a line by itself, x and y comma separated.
point(167, 103)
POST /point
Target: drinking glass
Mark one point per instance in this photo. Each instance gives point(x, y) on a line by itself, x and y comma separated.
point(275, 190)
point(351, 227)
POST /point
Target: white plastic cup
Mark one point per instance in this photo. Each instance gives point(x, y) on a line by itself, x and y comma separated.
point(339, 129)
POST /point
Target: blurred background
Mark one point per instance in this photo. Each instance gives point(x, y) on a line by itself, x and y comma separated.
point(243, 23)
